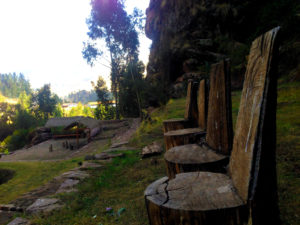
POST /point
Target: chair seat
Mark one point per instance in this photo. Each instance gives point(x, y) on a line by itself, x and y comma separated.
point(175, 120)
point(195, 191)
point(184, 132)
point(193, 154)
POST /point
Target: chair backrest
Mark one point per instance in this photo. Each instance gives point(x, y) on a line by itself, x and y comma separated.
point(219, 122)
point(196, 103)
point(202, 103)
point(190, 106)
point(257, 115)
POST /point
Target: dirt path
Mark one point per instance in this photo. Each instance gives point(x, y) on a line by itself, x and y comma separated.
point(41, 151)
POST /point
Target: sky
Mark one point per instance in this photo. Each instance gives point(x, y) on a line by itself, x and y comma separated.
point(43, 40)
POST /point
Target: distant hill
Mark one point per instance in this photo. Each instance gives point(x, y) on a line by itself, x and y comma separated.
point(82, 96)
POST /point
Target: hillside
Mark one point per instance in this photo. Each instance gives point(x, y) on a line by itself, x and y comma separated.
point(121, 183)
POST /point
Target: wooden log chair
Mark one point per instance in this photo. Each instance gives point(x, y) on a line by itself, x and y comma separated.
point(195, 109)
point(213, 154)
point(208, 198)
point(193, 126)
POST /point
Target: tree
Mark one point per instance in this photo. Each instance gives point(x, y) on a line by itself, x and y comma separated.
point(131, 86)
point(58, 111)
point(101, 90)
point(104, 110)
point(43, 102)
point(109, 21)
point(12, 85)
point(24, 100)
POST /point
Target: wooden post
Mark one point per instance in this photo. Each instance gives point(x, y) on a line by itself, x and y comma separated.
point(77, 137)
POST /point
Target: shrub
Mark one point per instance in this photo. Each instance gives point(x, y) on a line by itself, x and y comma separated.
point(17, 140)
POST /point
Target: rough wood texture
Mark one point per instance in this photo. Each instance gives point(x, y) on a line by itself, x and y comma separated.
point(189, 101)
point(195, 198)
point(219, 121)
point(182, 137)
point(192, 158)
point(202, 104)
point(176, 124)
point(251, 127)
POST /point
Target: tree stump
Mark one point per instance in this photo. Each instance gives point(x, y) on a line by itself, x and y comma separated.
point(195, 198)
point(183, 137)
point(192, 157)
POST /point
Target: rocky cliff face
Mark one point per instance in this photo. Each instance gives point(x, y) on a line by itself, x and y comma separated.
point(184, 36)
point(189, 35)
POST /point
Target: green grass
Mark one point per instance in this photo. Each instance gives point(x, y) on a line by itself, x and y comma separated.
point(119, 185)
point(30, 175)
point(152, 130)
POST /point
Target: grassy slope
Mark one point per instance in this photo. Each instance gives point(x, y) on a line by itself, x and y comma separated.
point(30, 175)
point(122, 183)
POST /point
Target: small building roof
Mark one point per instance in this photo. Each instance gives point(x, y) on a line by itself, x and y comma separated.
point(67, 121)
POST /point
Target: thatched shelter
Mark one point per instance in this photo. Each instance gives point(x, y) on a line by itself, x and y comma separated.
point(69, 122)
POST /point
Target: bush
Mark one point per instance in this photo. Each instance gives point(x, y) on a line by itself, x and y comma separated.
point(17, 140)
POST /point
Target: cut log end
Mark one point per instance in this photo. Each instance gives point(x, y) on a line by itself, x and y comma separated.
point(183, 137)
point(195, 198)
point(192, 158)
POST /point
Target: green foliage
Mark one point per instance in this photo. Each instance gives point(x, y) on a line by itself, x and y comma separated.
point(105, 112)
point(101, 91)
point(2, 98)
point(7, 113)
point(81, 110)
point(43, 102)
point(12, 85)
point(24, 100)
point(58, 111)
point(17, 140)
point(25, 120)
point(109, 21)
point(131, 91)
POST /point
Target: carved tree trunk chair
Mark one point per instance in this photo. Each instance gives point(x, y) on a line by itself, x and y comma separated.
point(193, 126)
point(208, 198)
point(213, 155)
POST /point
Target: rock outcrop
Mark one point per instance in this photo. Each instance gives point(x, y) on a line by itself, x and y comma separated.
point(183, 35)
point(190, 35)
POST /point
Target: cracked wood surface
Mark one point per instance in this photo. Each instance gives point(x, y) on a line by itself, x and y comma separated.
point(194, 198)
point(192, 157)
